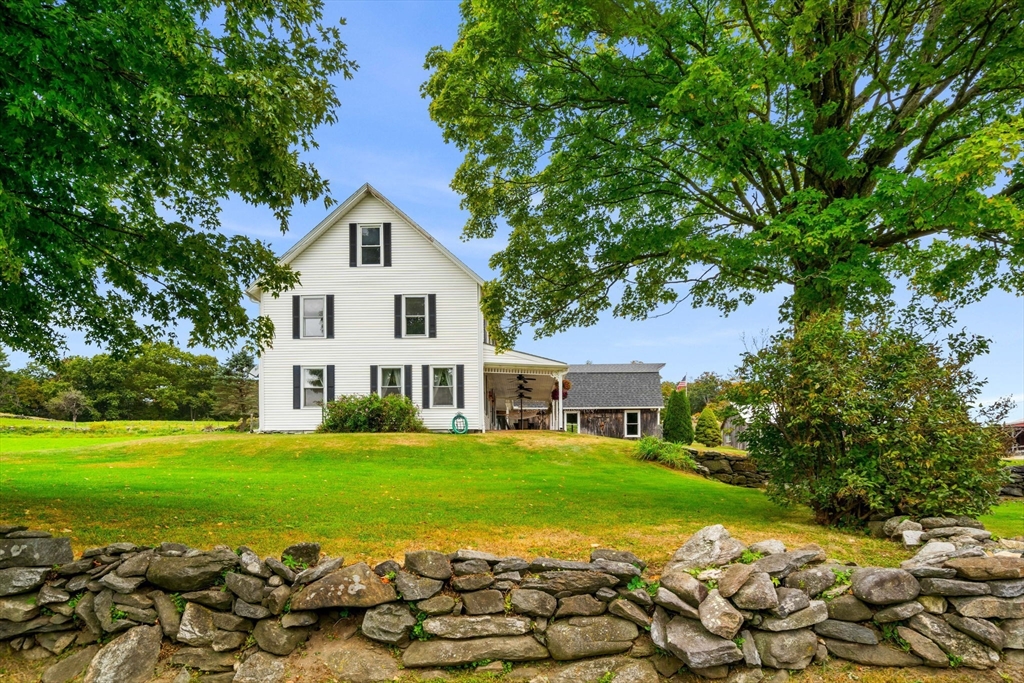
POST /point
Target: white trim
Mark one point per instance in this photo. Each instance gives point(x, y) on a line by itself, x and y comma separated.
point(302, 317)
point(302, 386)
point(454, 387)
point(426, 316)
point(379, 245)
point(332, 218)
point(380, 379)
point(625, 425)
point(614, 407)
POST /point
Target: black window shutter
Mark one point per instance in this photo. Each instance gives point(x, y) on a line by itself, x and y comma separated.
point(408, 382)
point(432, 314)
point(330, 316)
point(296, 386)
point(296, 322)
point(387, 245)
point(330, 382)
point(426, 386)
point(353, 244)
point(398, 316)
point(460, 386)
point(373, 379)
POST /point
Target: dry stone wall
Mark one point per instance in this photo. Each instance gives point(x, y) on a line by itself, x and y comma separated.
point(719, 608)
point(738, 470)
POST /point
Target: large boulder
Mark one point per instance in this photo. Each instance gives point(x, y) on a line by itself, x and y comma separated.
point(460, 628)
point(276, 639)
point(435, 653)
point(877, 586)
point(353, 586)
point(871, 655)
point(390, 623)
point(712, 546)
point(786, 649)
point(181, 574)
point(562, 584)
point(581, 637)
point(17, 580)
point(35, 552)
point(129, 658)
point(973, 654)
point(697, 647)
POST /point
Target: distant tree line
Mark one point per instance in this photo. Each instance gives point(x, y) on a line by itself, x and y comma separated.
point(159, 382)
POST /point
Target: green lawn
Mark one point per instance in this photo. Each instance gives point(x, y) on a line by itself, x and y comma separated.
point(375, 496)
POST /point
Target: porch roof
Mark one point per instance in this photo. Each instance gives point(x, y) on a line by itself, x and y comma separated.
point(520, 362)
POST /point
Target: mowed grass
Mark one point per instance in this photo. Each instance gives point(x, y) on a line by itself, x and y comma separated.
point(375, 496)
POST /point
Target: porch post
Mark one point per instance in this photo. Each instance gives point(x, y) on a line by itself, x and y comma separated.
point(561, 415)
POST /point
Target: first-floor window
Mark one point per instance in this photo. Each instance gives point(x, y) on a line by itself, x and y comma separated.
point(312, 387)
point(444, 387)
point(632, 423)
point(390, 381)
point(572, 422)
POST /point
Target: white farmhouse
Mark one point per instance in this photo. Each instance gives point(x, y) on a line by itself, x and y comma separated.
point(383, 307)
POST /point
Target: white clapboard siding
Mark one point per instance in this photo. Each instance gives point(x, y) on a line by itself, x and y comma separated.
point(364, 321)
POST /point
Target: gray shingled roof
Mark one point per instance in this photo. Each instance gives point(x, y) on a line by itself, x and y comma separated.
point(619, 385)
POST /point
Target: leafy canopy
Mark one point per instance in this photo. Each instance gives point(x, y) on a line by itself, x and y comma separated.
point(729, 147)
point(123, 124)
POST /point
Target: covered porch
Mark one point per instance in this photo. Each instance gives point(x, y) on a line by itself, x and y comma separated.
point(522, 391)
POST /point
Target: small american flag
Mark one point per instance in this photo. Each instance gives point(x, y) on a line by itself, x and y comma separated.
point(682, 384)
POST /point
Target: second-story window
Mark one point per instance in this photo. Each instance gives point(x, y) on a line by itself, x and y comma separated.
point(313, 324)
point(369, 245)
point(415, 316)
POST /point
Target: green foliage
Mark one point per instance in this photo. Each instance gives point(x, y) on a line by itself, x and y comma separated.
point(418, 632)
point(293, 564)
point(750, 556)
point(634, 583)
point(739, 641)
point(236, 388)
point(71, 403)
point(393, 413)
point(607, 677)
point(653, 449)
point(954, 660)
point(828, 430)
point(652, 587)
point(708, 430)
point(677, 425)
point(75, 599)
point(891, 634)
point(843, 576)
point(709, 389)
point(733, 148)
point(125, 124)
point(179, 602)
point(116, 613)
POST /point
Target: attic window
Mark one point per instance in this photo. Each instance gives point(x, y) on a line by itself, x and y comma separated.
point(369, 245)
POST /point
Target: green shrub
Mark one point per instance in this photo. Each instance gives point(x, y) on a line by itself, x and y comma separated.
point(677, 426)
point(854, 419)
point(371, 413)
point(653, 449)
point(708, 430)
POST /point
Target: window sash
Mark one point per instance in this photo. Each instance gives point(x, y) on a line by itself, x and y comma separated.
point(313, 316)
point(370, 245)
point(632, 423)
point(313, 387)
point(444, 387)
point(415, 316)
point(391, 381)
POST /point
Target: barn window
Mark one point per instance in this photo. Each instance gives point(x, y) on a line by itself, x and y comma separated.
point(632, 424)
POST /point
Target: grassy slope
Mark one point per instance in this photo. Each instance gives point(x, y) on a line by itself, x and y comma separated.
point(374, 496)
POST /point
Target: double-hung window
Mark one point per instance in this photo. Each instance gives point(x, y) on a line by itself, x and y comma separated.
point(369, 245)
point(313, 324)
point(312, 387)
point(415, 316)
point(390, 381)
point(632, 424)
point(443, 387)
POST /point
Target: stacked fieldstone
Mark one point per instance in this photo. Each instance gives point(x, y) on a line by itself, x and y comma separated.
point(719, 608)
point(738, 470)
point(1015, 488)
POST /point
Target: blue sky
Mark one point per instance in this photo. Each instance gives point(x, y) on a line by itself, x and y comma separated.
point(384, 136)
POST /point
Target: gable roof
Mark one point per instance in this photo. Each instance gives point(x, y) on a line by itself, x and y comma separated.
point(618, 385)
point(333, 217)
